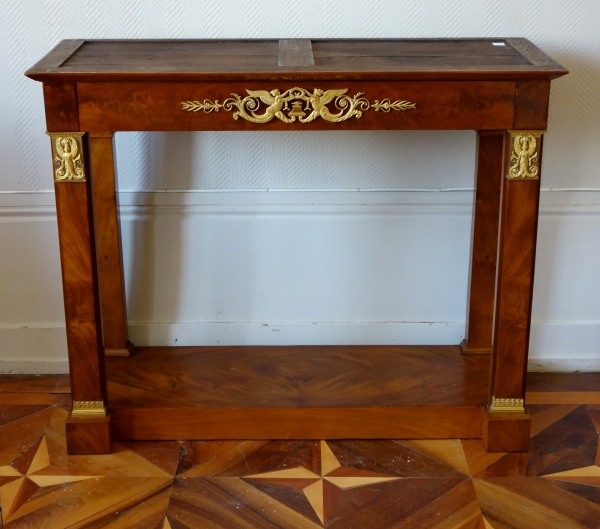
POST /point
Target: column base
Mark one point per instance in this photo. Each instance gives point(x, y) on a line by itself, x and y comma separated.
point(467, 350)
point(506, 432)
point(120, 351)
point(88, 436)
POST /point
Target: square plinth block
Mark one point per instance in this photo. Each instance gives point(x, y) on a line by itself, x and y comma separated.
point(86, 436)
point(506, 432)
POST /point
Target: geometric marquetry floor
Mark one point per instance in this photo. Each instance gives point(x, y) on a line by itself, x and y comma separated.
point(447, 484)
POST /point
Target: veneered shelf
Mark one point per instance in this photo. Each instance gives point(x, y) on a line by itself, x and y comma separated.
point(297, 391)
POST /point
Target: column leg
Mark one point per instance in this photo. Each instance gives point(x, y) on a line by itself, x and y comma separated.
point(506, 423)
point(88, 426)
point(484, 244)
point(108, 243)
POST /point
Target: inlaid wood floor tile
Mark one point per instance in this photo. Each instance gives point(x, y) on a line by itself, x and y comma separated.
point(165, 524)
point(533, 503)
point(59, 491)
point(35, 384)
point(148, 514)
point(457, 509)
point(389, 458)
point(476, 456)
point(311, 501)
point(448, 451)
point(244, 458)
point(163, 454)
point(594, 413)
point(569, 443)
point(12, 413)
point(543, 416)
point(31, 399)
point(195, 453)
point(17, 436)
point(511, 464)
point(497, 525)
point(229, 503)
point(8, 474)
point(587, 492)
point(286, 484)
point(303, 496)
point(385, 504)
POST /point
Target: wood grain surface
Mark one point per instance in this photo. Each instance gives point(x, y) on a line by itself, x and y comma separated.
point(88, 436)
point(297, 392)
point(482, 84)
point(484, 244)
point(76, 230)
point(531, 105)
point(60, 104)
point(297, 376)
point(80, 287)
point(506, 432)
point(516, 262)
point(554, 388)
point(34, 384)
point(162, 423)
point(108, 244)
point(295, 52)
point(291, 484)
point(227, 60)
point(157, 106)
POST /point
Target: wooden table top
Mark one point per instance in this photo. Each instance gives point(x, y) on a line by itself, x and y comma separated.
point(302, 59)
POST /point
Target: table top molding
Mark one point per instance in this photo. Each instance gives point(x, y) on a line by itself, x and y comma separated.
point(295, 60)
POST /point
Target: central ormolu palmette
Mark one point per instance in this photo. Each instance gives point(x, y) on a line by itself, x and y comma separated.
point(305, 106)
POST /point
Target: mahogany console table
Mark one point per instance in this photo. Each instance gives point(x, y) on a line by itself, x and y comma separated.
point(497, 87)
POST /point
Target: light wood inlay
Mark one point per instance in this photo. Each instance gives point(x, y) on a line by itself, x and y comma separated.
point(283, 483)
point(295, 52)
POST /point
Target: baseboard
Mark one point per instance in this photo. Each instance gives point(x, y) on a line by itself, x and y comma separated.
point(296, 333)
point(41, 349)
point(564, 347)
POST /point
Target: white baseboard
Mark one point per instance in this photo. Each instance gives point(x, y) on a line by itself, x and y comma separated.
point(35, 350)
point(564, 346)
point(297, 333)
point(555, 347)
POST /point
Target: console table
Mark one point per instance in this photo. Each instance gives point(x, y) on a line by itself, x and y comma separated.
point(497, 87)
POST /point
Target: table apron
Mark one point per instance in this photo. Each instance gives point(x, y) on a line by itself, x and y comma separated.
point(439, 105)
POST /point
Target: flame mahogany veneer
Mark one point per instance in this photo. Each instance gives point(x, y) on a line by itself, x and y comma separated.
point(492, 86)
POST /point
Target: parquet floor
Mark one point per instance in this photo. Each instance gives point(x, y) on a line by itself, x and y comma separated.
point(442, 484)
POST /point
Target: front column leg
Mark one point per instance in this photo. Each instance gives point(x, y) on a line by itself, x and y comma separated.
point(88, 426)
point(506, 424)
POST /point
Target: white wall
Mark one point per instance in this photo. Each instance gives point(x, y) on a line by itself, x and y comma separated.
point(323, 256)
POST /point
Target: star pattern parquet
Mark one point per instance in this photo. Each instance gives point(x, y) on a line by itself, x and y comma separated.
point(441, 484)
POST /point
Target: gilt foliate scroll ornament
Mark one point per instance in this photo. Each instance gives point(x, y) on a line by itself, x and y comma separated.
point(386, 105)
point(507, 405)
point(206, 105)
point(88, 408)
point(67, 155)
point(296, 103)
point(524, 158)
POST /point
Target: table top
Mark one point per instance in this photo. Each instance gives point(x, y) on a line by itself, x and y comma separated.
point(295, 59)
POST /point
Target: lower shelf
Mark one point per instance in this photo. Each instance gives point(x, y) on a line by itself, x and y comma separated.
point(299, 392)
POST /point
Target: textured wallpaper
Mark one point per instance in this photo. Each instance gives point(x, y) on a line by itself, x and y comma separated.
point(565, 29)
